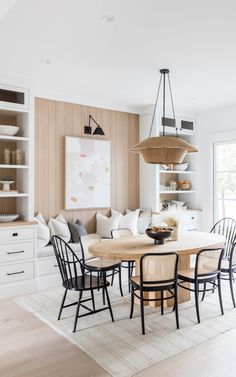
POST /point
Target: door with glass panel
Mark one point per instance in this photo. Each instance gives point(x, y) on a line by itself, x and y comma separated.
point(224, 180)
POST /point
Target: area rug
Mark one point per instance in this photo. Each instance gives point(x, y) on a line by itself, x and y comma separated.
point(119, 347)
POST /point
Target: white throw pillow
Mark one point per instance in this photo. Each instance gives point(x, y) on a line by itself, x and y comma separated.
point(43, 231)
point(144, 219)
point(58, 227)
point(106, 224)
point(128, 221)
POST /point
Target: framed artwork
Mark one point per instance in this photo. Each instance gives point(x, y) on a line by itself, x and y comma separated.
point(87, 173)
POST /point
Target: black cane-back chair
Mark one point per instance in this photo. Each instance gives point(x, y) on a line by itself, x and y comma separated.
point(75, 277)
point(162, 279)
point(207, 270)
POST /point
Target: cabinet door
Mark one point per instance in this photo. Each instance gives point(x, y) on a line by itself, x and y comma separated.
point(187, 126)
point(11, 96)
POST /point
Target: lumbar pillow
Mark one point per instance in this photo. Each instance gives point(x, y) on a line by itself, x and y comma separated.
point(106, 224)
point(77, 230)
point(59, 227)
point(128, 221)
point(144, 219)
point(43, 231)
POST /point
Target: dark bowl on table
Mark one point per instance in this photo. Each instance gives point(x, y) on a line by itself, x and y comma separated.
point(159, 235)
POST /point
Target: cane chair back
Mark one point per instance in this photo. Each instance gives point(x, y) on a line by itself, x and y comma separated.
point(120, 233)
point(86, 241)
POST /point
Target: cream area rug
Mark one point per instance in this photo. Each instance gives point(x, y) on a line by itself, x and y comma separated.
point(119, 347)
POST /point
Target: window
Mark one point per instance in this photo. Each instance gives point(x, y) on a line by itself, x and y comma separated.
point(224, 180)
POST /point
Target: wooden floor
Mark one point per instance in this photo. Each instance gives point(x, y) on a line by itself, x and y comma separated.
point(29, 348)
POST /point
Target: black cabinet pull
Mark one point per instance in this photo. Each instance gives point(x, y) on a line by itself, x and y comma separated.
point(55, 265)
point(14, 234)
point(16, 273)
point(15, 252)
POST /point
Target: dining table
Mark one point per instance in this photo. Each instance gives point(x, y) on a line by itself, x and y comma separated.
point(134, 247)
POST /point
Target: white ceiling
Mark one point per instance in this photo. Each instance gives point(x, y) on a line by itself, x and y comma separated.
point(117, 63)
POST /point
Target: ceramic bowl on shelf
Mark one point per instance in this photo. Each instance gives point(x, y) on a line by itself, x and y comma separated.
point(4, 218)
point(159, 234)
point(181, 167)
point(6, 130)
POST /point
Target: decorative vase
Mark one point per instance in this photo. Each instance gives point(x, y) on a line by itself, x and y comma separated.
point(175, 233)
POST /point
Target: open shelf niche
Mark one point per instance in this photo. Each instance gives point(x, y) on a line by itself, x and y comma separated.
point(19, 201)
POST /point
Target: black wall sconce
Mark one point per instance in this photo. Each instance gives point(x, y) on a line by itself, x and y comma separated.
point(88, 129)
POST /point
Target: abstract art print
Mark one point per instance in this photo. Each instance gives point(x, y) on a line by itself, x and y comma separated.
point(87, 173)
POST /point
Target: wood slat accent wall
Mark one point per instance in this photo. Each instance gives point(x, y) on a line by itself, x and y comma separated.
point(53, 121)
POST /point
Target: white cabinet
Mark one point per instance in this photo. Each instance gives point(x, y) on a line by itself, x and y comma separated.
point(191, 221)
point(17, 253)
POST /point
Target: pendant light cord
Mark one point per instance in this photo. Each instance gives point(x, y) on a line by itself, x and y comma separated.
point(172, 104)
point(154, 112)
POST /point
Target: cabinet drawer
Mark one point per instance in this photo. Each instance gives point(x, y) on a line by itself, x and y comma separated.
point(16, 272)
point(13, 234)
point(16, 251)
point(47, 267)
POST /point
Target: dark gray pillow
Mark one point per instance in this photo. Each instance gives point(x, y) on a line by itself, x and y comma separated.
point(77, 230)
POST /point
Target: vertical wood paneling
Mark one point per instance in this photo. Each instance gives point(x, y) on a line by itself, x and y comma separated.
point(54, 120)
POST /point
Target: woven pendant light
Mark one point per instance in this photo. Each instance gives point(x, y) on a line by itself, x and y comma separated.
point(163, 149)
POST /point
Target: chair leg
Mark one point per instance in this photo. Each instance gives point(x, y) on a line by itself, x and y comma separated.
point(162, 303)
point(132, 302)
point(120, 282)
point(196, 293)
point(77, 310)
point(142, 312)
point(109, 303)
point(220, 296)
point(103, 289)
point(112, 278)
point(204, 291)
point(176, 307)
point(129, 275)
point(231, 288)
point(93, 302)
point(62, 304)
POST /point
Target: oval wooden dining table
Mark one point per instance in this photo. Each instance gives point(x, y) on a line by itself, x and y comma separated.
point(133, 247)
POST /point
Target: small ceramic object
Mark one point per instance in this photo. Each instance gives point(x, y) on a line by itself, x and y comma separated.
point(6, 185)
point(7, 130)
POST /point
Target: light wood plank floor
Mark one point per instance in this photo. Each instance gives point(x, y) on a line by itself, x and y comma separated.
point(29, 348)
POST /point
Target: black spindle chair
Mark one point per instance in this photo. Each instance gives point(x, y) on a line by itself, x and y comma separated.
point(227, 228)
point(129, 264)
point(207, 270)
point(163, 279)
point(228, 268)
point(75, 278)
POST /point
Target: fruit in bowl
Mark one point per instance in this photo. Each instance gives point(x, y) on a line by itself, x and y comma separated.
point(159, 234)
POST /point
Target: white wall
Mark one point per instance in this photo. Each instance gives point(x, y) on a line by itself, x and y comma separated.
point(209, 124)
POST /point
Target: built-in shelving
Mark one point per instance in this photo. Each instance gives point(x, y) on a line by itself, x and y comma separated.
point(176, 172)
point(2, 166)
point(20, 115)
point(13, 195)
point(177, 192)
point(13, 138)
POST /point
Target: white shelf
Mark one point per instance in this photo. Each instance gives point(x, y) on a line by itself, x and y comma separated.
point(13, 195)
point(177, 192)
point(14, 166)
point(13, 138)
point(176, 172)
point(8, 110)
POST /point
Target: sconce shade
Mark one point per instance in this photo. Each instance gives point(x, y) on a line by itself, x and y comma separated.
point(98, 131)
point(163, 150)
